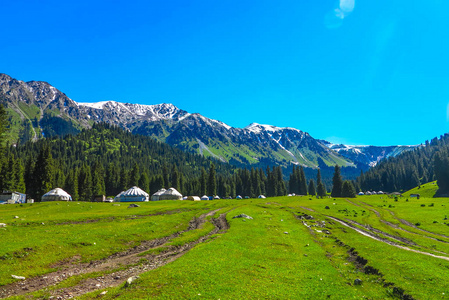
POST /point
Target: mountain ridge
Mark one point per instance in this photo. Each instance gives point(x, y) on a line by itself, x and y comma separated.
point(38, 109)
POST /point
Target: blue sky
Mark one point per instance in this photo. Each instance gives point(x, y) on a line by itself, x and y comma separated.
point(351, 71)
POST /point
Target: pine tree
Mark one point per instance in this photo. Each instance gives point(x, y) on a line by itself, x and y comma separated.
point(71, 184)
point(3, 127)
point(321, 188)
point(203, 182)
point(311, 188)
point(348, 189)
point(43, 173)
point(134, 176)
point(211, 183)
point(85, 183)
point(144, 182)
point(337, 183)
point(98, 184)
point(303, 182)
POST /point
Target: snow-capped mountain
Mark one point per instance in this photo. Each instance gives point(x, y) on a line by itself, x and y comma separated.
point(38, 109)
point(367, 155)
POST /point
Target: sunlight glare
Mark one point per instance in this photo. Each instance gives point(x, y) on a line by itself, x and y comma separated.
point(347, 6)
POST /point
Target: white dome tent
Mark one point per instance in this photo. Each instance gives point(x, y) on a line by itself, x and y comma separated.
point(156, 196)
point(171, 194)
point(56, 194)
point(205, 197)
point(134, 194)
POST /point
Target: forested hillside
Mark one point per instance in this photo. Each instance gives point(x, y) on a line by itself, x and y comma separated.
point(107, 160)
point(410, 169)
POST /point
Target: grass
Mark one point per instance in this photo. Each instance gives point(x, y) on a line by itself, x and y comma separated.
point(427, 190)
point(272, 256)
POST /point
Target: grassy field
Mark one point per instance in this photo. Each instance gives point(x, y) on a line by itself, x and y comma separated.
point(371, 247)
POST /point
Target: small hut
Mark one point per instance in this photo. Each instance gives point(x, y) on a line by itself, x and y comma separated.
point(56, 194)
point(156, 196)
point(205, 197)
point(194, 198)
point(171, 194)
point(134, 194)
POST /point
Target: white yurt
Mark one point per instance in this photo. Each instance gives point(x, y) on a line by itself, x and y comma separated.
point(56, 194)
point(171, 194)
point(155, 196)
point(134, 194)
point(194, 198)
point(205, 197)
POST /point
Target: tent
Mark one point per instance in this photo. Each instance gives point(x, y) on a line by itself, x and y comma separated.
point(261, 197)
point(56, 194)
point(134, 194)
point(216, 198)
point(194, 198)
point(171, 194)
point(156, 195)
point(205, 197)
point(238, 197)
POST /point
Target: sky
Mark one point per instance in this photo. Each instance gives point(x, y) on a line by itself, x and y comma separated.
point(358, 72)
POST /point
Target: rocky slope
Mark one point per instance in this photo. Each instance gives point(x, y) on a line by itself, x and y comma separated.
point(38, 109)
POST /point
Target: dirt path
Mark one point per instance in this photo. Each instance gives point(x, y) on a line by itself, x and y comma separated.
point(131, 262)
point(383, 240)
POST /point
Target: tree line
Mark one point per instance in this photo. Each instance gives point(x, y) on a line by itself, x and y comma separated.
point(410, 169)
point(106, 160)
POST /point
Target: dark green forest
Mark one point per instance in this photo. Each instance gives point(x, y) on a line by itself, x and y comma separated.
point(427, 163)
point(106, 160)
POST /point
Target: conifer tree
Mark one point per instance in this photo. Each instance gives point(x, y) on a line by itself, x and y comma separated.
point(348, 189)
point(3, 127)
point(311, 188)
point(43, 173)
point(203, 182)
point(303, 182)
point(134, 175)
point(337, 183)
point(321, 188)
point(212, 184)
point(71, 184)
point(98, 184)
point(144, 182)
point(85, 183)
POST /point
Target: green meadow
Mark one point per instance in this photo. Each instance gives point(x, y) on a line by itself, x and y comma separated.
point(301, 247)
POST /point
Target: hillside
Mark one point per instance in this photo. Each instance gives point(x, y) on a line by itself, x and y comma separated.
point(409, 169)
point(37, 109)
point(427, 190)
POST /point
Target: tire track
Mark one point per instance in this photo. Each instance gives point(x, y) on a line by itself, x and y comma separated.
point(130, 259)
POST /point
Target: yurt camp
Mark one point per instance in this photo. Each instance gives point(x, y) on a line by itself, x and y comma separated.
point(134, 194)
point(171, 194)
point(155, 196)
point(56, 194)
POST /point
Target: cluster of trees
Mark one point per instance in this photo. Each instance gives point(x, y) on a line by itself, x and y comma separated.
point(298, 183)
point(410, 169)
point(342, 188)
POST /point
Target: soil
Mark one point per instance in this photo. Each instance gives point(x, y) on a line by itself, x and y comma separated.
point(115, 269)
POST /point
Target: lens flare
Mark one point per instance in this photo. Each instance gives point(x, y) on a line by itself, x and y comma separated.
point(347, 6)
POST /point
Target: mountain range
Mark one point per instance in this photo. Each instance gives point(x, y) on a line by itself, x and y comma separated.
point(37, 109)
